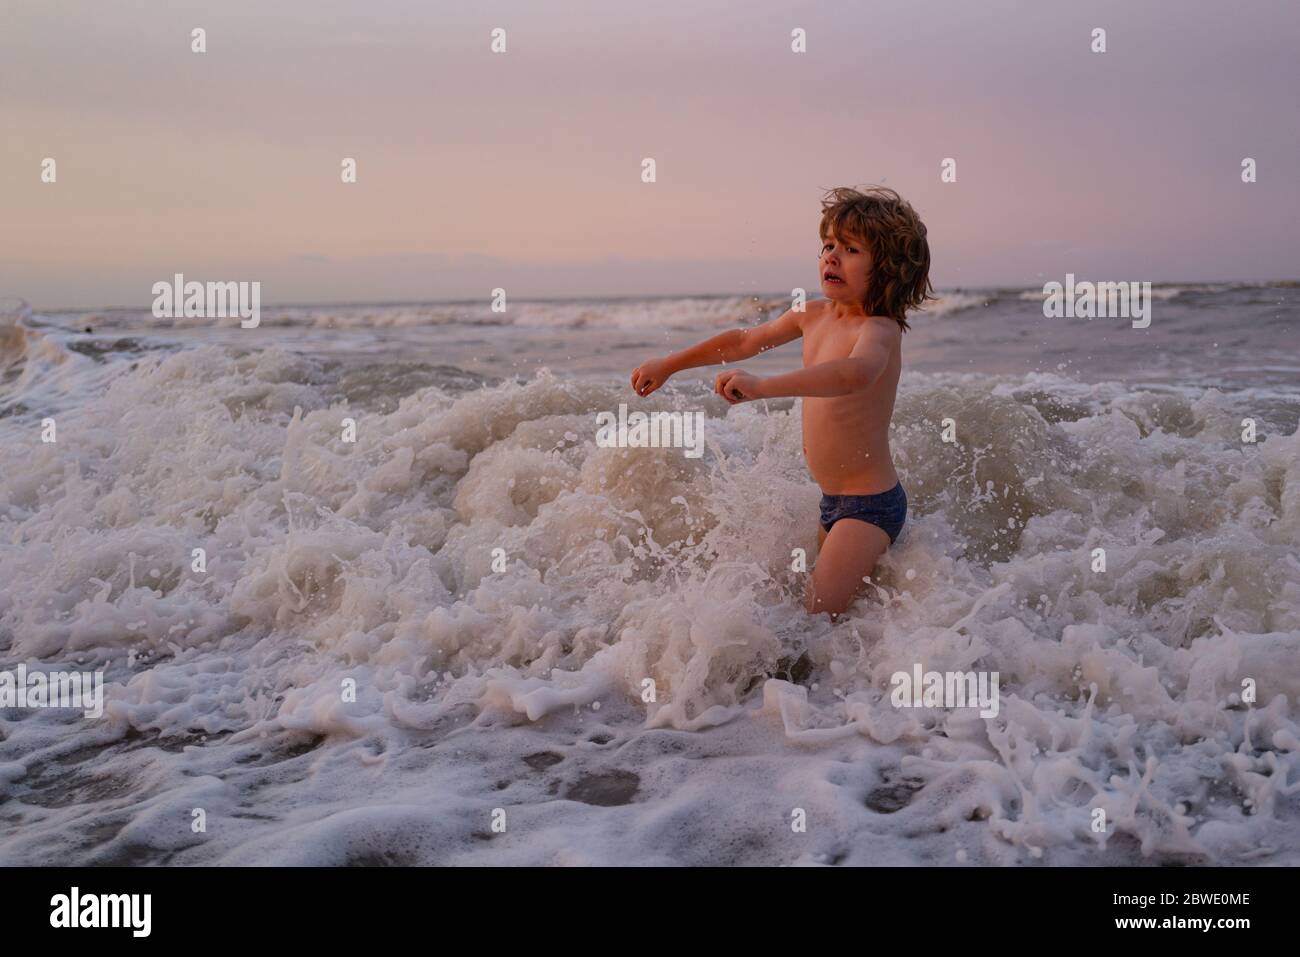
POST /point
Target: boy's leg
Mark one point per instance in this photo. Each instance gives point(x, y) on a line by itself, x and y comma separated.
point(808, 581)
point(847, 555)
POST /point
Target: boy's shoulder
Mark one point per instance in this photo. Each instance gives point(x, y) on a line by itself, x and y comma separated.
point(804, 315)
point(889, 323)
point(813, 309)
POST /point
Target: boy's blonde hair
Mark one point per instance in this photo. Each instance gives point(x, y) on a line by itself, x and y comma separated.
point(886, 224)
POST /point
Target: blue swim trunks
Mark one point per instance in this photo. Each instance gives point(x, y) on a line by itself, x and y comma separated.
point(886, 510)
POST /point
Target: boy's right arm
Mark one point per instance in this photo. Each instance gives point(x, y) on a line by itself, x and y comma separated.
point(730, 346)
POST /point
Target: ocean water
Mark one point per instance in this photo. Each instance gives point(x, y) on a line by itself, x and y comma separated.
point(498, 590)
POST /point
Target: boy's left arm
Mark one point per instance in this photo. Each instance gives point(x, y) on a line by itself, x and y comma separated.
point(863, 365)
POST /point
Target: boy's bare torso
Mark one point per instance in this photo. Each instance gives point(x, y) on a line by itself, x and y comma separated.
point(846, 438)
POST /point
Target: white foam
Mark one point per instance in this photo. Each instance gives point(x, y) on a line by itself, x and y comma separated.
point(372, 562)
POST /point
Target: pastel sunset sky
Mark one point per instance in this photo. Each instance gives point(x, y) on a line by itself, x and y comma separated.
point(523, 169)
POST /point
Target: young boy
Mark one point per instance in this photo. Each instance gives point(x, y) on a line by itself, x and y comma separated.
point(875, 265)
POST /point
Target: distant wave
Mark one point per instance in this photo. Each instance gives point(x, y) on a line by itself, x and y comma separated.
point(951, 302)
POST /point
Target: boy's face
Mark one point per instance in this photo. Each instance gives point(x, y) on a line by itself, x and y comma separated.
point(845, 269)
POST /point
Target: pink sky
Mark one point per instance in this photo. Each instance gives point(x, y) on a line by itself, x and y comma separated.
point(522, 170)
